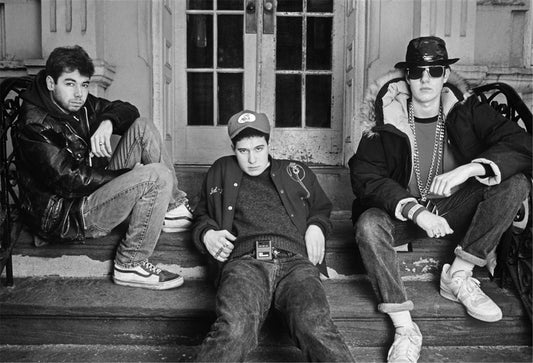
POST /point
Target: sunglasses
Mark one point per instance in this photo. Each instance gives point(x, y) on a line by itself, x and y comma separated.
point(418, 72)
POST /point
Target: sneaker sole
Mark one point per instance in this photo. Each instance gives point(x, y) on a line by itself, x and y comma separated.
point(175, 229)
point(486, 318)
point(166, 285)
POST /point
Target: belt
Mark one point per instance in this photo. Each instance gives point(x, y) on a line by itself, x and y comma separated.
point(277, 253)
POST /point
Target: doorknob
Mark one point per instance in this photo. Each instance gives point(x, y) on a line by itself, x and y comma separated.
point(251, 17)
point(268, 16)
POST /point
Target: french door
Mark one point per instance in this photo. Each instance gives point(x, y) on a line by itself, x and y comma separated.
point(283, 58)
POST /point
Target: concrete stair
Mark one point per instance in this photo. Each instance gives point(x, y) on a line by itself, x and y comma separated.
point(64, 306)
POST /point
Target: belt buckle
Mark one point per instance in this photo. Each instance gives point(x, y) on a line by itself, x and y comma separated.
point(263, 250)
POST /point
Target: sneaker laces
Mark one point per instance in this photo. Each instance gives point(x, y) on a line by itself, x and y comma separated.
point(150, 267)
point(186, 204)
point(405, 345)
point(470, 287)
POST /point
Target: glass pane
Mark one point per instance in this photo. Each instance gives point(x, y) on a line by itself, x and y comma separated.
point(317, 101)
point(289, 43)
point(230, 41)
point(319, 43)
point(289, 5)
point(229, 96)
point(199, 41)
point(322, 6)
point(199, 4)
point(288, 100)
point(230, 5)
point(200, 98)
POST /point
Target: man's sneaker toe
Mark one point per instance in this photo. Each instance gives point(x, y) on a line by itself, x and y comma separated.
point(146, 275)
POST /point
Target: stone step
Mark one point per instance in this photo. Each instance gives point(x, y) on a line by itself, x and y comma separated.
point(185, 353)
point(177, 253)
point(58, 310)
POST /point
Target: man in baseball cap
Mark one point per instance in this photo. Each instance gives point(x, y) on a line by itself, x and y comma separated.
point(256, 214)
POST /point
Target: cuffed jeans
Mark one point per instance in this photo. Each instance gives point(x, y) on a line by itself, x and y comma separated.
point(246, 291)
point(143, 194)
point(478, 214)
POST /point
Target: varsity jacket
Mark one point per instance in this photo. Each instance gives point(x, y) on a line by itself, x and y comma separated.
point(56, 170)
point(299, 190)
point(475, 132)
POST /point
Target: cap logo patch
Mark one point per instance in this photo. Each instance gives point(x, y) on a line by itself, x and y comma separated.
point(246, 117)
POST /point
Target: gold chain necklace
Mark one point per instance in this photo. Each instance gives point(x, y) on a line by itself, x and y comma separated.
point(436, 156)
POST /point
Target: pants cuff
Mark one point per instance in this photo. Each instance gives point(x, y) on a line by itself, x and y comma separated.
point(395, 307)
point(459, 252)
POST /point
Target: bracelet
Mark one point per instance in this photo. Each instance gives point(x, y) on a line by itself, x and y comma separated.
point(415, 214)
point(412, 211)
point(407, 207)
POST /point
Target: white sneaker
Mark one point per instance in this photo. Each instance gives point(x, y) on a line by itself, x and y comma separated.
point(178, 219)
point(407, 345)
point(147, 276)
point(462, 287)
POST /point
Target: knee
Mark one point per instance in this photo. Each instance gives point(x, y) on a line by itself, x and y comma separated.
point(369, 223)
point(160, 174)
point(521, 183)
point(143, 123)
point(516, 187)
point(239, 328)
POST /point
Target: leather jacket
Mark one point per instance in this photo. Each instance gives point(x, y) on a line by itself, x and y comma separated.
point(55, 167)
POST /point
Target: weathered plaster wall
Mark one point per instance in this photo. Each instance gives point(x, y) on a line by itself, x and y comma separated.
point(23, 29)
point(122, 48)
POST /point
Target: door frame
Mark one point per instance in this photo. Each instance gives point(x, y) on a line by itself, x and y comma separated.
point(355, 65)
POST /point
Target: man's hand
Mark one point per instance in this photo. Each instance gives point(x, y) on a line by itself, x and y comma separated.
point(219, 243)
point(315, 243)
point(434, 225)
point(445, 184)
point(101, 140)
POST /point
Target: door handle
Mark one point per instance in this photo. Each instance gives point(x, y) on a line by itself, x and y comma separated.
point(269, 9)
point(251, 17)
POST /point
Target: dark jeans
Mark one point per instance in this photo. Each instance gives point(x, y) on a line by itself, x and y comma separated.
point(247, 290)
point(477, 213)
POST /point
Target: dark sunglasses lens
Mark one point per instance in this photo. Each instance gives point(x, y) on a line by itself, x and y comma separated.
point(415, 73)
point(436, 72)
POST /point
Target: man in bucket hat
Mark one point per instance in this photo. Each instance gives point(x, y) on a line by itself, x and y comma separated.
point(264, 221)
point(433, 162)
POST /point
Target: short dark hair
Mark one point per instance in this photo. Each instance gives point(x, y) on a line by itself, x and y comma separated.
point(69, 59)
point(249, 132)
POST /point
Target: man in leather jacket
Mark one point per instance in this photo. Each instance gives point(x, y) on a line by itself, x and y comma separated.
point(73, 185)
point(434, 162)
point(265, 221)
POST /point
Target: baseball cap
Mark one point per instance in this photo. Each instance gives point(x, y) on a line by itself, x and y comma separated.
point(248, 119)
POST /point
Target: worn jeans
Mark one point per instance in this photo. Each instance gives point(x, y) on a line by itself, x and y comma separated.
point(247, 289)
point(478, 214)
point(142, 194)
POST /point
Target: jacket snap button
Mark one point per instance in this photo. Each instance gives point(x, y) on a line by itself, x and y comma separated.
point(235, 184)
point(230, 208)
